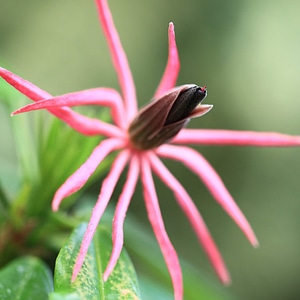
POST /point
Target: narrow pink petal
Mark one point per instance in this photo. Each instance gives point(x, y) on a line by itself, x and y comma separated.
point(85, 125)
point(157, 223)
point(200, 166)
point(97, 96)
point(195, 218)
point(80, 177)
point(121, 209)
point(80, 123)
point(170, 75)
point(119, 58)
point(107, 189)
point(25, 87)
point(236, 138)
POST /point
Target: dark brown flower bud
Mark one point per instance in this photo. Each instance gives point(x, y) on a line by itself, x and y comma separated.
point(159, 121)
point(185, 103)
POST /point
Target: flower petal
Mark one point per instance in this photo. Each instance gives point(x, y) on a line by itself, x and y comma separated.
point(157, 223)
point(121, 209)
point(119, 58)
point(171, 72)
point(97, 96)
point(201, 110)
point(200, 166)
point(25, 87)
point(80, 123)
point(85, 125)
point(80, 177)
point(236, 138)
point(107, 189)
point(195, 218)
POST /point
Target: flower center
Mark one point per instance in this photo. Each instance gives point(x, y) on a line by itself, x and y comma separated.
point(161, 120)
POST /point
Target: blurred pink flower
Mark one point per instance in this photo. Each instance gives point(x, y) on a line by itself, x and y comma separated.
point(142, 160)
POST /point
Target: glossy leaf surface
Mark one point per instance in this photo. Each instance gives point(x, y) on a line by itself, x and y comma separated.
point(122, 284)
point(25, 278)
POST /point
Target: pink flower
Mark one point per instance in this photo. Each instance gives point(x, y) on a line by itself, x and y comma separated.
point(123, 137)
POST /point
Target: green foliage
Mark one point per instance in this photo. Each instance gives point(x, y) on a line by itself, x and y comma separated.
point(122, 284)
point(25, 278)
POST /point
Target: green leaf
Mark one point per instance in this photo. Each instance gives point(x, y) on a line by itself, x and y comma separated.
point(155, 289)
point(122, 284)
point(4, 202)
point(25, 278)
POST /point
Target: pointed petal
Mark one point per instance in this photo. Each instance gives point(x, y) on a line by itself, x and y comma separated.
point(80, 177)
point(25, 87)
point(171, 72)
point(107, 189)
point(195, 218)
point(157, 224)
point(236, 138)
point(201, 110)
point(119, 58)
point(121, 209)
point(97, 96)
point(200, 166)
point(80, 123)
point(85, 125)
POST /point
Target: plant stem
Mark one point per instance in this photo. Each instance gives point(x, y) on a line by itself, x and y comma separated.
point(3, 198)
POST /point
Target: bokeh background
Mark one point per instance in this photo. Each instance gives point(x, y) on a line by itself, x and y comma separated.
point(247, 53)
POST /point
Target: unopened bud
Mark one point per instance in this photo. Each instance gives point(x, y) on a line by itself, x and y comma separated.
point(163, 118)
point(185, 103)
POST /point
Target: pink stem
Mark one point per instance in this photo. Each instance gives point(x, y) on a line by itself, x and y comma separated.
point(157, 223)
point(107, 189)
point(195, 218)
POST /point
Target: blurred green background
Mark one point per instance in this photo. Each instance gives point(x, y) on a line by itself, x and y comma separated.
point(247, 53)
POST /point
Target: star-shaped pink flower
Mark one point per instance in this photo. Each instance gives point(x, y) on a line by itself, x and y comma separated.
point(142, 138)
